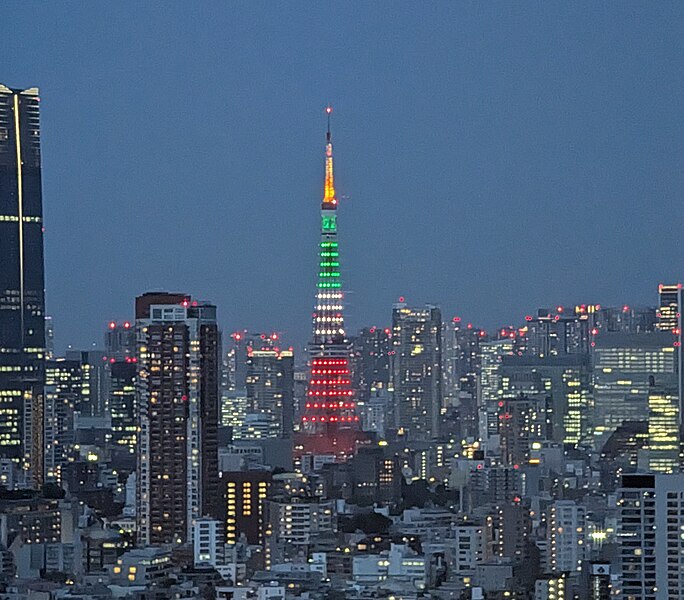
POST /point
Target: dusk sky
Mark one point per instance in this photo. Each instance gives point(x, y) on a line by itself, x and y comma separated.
point(490, 157)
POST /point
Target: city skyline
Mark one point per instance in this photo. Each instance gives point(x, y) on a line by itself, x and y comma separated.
point(471, 146)
point(488, 400)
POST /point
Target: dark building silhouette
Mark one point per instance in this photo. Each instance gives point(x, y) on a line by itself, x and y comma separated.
point(22, 294)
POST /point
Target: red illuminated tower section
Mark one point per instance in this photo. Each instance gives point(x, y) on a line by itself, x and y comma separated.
point(329, 422)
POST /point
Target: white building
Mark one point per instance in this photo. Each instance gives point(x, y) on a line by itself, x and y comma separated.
point(566, 545)
point(650, 527)
point(468, 547)
point(208, 542)
point(400, 564)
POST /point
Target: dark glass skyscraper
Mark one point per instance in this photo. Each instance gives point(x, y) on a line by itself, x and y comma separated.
point(22, 295)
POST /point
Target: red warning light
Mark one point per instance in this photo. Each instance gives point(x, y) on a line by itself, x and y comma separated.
point(127, 325)
point(401, 298)
point(457, 319)
point(112, 325)
point(559, 309)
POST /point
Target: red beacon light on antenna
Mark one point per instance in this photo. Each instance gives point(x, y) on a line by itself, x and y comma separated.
point(112, 324)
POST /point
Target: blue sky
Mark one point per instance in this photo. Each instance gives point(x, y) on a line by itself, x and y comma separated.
point(495, 157)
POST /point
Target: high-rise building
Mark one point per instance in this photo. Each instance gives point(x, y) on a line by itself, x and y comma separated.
point(119, 340)
point(490, 390)
point(461, 358)
point(651, 549)
point(566, 379)
point(95, 384)
point(270, 385)
point(177, 396)
point(624, 319)
point(63, 386)
point(662, 452)
point(371, 372)
point(417, 370)
point(669, 315)
point(523, 420)
point(122, 402)
point(22, 287)
point(555, 332)
point(329, 424)
point(626, 368)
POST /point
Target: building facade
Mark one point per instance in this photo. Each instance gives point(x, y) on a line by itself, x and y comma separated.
point(417, 370)
point(22, 287)
point(177, 395)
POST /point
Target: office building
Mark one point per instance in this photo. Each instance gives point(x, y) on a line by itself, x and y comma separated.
point(63, 385)
point(119, 341)
point(244, 496)
point(122, 402)
point(490, 385)
point(22, 287)
point(626, 369)
point(461, 343)
point(177, 396)
point(557, 332)
point(371, 365)
point(417, 370)
point(523, 424)
point(651, 548)
point(94, 385)
point(270, 385)
point(565, 379)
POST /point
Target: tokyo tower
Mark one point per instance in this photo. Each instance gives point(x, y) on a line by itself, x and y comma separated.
point(329, 423)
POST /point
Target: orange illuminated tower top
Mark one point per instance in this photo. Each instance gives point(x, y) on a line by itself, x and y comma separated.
point(329, 198)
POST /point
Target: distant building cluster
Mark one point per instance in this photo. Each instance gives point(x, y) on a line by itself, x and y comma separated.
point(425, 458)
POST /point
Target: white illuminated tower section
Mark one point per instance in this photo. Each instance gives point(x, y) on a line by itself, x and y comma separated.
point(329, 422)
